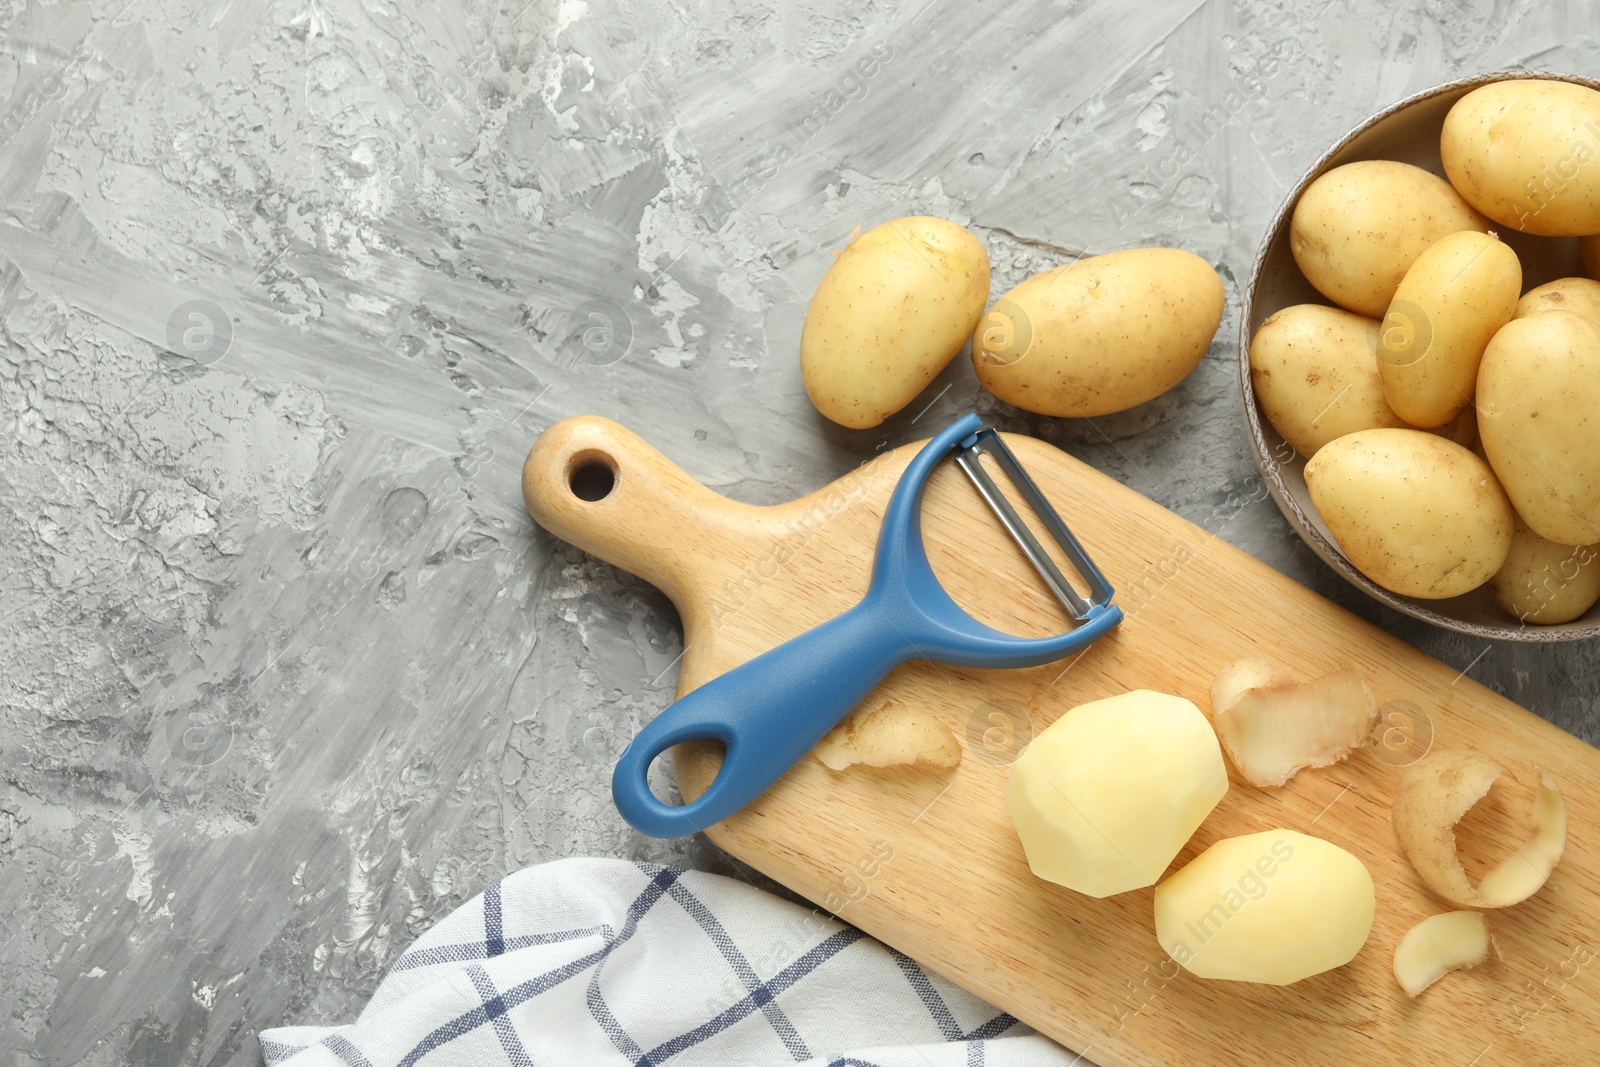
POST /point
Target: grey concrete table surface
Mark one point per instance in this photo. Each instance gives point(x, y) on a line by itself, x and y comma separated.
point(289, 289)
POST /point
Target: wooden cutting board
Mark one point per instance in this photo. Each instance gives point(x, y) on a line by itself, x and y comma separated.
point(926, 860)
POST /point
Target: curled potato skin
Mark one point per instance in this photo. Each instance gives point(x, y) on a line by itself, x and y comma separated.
point(1438, 945)
point(1433, 795)
point(891, 734)
point(1273, 725)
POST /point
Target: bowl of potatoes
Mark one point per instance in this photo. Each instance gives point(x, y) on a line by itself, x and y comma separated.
point(1419, 357)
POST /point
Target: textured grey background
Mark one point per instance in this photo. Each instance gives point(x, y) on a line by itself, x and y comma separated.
point(289, 288)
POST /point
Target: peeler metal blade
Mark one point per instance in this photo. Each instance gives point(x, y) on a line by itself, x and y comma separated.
point(969, 457)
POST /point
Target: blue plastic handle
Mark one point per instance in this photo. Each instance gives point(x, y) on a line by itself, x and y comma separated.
point(771, 711)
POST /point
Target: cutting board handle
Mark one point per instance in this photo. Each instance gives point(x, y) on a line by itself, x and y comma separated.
point(599, 486)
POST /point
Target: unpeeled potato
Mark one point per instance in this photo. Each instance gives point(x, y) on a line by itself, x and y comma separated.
point(1100, 335)
point(1417, 514)
point(1546, 583)
point(1357, 229)
point(1581, 296)
point(1539, 418)
point(1526, 153)
point(890, 314)
point(1315, 371)
point(1460, 291)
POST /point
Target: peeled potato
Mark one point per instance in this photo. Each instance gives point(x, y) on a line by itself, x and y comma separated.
point(1417, 514)
point(1434, 794)
point(1581, 296)
point(1273, 907)
point(1357, 229)
point(1546, 583)
point(1100, 335)
point(889, 315)
point(1111, 791)
point(1524, 152)
point(1315, 372)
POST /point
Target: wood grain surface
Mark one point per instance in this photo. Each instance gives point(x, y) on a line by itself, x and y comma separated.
point(927, 861)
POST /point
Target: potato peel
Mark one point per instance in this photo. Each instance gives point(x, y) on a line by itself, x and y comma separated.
point(1440, 944)
point(1436, 792)
point(889, 735)
point(1518, 877)
point(1273, 726)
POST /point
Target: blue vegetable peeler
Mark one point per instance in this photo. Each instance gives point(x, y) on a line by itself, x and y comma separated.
point(770, 711)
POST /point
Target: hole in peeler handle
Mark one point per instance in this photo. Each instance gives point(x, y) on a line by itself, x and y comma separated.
point(704, 757)
point(639, 781)
point(591, 476)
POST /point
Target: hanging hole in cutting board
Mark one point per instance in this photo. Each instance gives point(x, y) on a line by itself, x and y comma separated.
point(982, 567)
point(591, 476)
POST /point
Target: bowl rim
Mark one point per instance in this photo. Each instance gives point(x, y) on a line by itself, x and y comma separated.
point(1297, 517)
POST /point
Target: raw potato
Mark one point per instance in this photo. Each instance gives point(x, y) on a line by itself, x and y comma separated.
point(1546, 583)
point(1438, 945)
point(1539, 417)
point(1272, 907)
point(1315, 372)
point(1110, 793)
point(889, 315)
point(1272, 726)
point(1417, 514)
point(1524, 152)
point(1357, 229)
point(1100, 335)
point(1433, 795)
point(889, 735)
point(1581, 296)
point(1451, 302)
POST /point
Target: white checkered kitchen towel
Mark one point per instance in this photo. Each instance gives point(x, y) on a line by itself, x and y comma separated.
point(590, 961)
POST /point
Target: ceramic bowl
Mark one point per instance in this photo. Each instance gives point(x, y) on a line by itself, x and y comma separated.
point(1409, 132)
